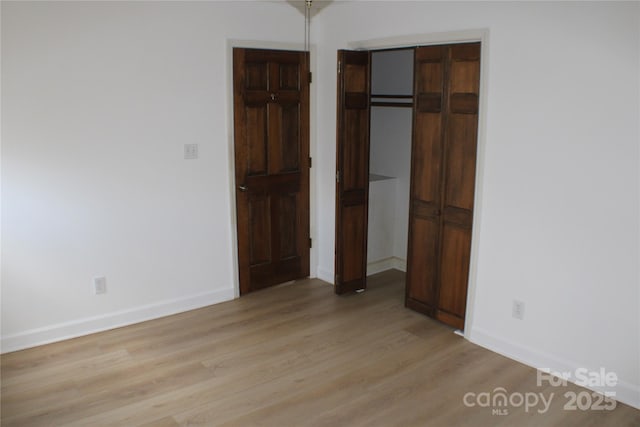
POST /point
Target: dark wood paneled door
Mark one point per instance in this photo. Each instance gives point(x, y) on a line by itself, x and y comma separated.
point(271, 140)
point(446, 85)
point(352, 175)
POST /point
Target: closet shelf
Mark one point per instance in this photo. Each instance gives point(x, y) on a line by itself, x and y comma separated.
point(379, 100)
point(375, 177)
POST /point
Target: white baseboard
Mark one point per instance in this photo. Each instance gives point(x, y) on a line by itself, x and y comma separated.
point(626, 392)
point(90, 325)
point(325, 275)
point(386, 264)
point(372, 268)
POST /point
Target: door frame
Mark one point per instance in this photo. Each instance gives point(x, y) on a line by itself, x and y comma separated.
point(473, 35)
point(233, 228)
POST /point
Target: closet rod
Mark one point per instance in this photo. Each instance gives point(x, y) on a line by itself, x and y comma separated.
point(392, 104)
point(392, 96)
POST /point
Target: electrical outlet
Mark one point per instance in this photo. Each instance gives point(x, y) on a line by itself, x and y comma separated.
point(190, 151)
point(517, 311)
point(99, 285)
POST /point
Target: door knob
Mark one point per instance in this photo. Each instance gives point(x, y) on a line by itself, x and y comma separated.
point(242, 187)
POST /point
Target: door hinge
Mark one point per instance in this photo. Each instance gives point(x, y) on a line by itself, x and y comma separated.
point(339, 67)
point(310, 77)
point(310, 162)
point(338, 176)
point(310, 242)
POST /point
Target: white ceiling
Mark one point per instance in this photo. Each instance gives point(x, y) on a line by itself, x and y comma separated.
point(316, 5)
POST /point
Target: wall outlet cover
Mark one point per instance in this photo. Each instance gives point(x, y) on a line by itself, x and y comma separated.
point(190, 151)
point(517, 310)
point(99, 285)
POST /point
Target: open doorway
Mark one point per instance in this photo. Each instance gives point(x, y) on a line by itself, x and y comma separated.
point(390, 159)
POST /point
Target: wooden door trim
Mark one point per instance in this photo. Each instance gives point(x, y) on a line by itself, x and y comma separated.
point(231, 167)
point(481, 35)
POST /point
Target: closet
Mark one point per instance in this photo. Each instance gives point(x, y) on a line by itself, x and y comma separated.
point(444, 114)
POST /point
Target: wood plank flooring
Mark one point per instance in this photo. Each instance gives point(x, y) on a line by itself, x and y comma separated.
point(293, 355)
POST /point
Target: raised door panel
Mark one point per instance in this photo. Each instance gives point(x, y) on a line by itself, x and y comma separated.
point(289, 77)
point(290, 137)
point(256, 75)
point(274, 136)
point(427, 158)
point(355, 152)
point(260, 223)
point(456, 248)
point(351, 241)
point(422, 295)
point(288, 225)
point(461, 161)
point(256, 140)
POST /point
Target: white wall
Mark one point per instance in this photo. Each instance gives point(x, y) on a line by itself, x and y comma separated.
point(557, 213)
point(98, 100)
point(391, 156)
point(381, 223)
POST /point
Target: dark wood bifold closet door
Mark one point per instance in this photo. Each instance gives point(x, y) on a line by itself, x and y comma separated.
point(352, 177)
point(271, 125)
point(443, 180)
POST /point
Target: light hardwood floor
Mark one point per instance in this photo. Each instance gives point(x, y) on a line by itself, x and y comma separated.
point(293, 355)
